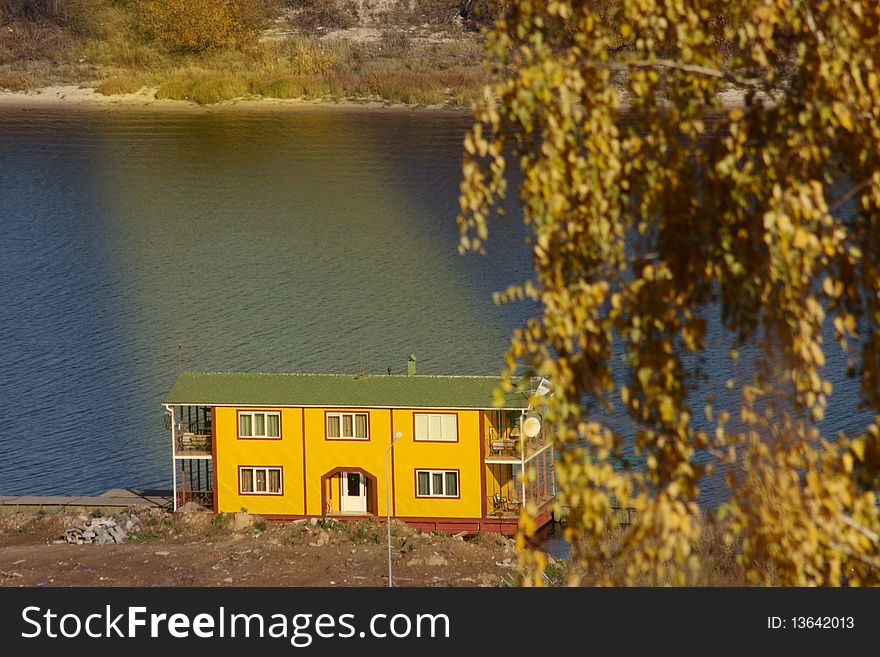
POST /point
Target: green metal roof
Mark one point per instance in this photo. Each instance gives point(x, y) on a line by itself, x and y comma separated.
point(369, 391)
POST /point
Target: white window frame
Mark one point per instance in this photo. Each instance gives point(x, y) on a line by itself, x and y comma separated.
point(266, 469)
point(253, 415)
point(340, 415)
point(438, 494)
point(441, 419)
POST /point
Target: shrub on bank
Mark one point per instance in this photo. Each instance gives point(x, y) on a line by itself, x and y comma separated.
point(15, 82)
point(280, 87)
point(120, 84)
point(202, 87)
point(191, 26)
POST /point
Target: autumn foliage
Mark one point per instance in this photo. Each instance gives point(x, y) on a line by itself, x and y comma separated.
point(197, 25)
point(760, 221)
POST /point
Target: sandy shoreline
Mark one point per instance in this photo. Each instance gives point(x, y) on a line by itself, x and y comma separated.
point(73, 97)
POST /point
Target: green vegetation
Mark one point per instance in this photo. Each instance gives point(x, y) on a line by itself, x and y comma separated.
point(154, 526)
point(120, 84)
point(210, 51)
point(328, 523)
point(364, 531)
point(201, 87)
point(219, 522)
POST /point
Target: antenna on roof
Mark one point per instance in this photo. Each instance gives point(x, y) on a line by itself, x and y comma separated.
point(361, 372)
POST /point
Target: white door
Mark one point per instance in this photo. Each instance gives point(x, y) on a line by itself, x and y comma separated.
point(354, 492)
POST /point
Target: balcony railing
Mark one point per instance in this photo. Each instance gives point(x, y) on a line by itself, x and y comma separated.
point(193, 444)
point(203, 498)
point(505, 443)
point(503, 507)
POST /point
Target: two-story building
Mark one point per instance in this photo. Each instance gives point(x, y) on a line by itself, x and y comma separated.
point(291, 446)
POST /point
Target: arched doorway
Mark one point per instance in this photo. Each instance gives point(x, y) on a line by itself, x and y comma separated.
point(349, 490)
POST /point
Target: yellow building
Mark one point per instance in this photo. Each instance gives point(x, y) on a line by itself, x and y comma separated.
point(290, 446)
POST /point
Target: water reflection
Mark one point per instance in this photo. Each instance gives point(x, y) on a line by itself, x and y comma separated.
point(263, 242)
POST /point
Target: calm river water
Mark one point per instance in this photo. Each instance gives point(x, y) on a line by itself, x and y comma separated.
point(262, 241)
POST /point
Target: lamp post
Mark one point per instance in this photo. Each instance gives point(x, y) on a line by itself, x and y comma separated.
point(397, 436)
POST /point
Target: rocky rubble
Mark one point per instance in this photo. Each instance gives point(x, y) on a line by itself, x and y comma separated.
point(204, 549)
point(103, 530)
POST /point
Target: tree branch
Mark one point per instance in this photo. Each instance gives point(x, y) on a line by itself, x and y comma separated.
point(846, 198)
point(855, 555)
point(873, 536)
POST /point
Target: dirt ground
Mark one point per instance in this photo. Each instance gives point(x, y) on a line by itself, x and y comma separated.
point(200, 549)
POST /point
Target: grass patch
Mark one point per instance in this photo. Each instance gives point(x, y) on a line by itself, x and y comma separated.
point(218, 521)
point(305, 68)
point(153, 527)
point(120, 84)
point(555, 573)
point(328, 523)
point(15, 82)
point(118, 52)
point(364, 531)
point(98, 41)
point(280, 86)
point(203, 87)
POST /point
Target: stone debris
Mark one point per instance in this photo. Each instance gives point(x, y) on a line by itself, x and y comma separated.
point(432, 559)
point(103, 530)
point(324, 538)
point(242, 521)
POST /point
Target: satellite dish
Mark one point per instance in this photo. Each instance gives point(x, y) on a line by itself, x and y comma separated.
point(532, 427)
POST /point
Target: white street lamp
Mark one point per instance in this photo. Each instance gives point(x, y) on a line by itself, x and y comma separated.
point(397, 436)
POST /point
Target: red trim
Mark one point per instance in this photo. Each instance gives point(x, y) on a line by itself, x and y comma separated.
point(270, 467)
point(305, 488)
point(436, 497)
point(393, 490)
point(505, 526)
point(372, 499)
point(347, 440)
point(429, 412)
point(214, 457)
point(471, 526)
point(258, 410)
point(482, 464)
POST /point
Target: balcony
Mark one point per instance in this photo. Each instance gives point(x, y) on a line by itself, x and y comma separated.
point(503, 450)
point(503, 445)
point(498, 506)
point(189, 444)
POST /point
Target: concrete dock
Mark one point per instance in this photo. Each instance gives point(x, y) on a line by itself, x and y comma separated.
point(108, 502)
